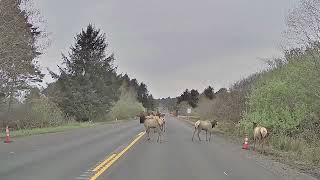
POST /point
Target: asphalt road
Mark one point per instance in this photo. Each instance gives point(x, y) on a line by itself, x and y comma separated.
point(73, 155)
point(63, 156)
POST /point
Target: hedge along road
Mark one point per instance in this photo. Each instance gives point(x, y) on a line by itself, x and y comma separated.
point(120, 151)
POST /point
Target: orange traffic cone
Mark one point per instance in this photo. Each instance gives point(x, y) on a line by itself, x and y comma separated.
point(7, 136)
point(245, 144)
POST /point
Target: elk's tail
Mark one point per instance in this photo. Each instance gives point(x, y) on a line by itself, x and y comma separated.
point(263, 132)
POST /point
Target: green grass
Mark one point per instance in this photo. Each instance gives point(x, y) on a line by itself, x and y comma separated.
point(35, 131)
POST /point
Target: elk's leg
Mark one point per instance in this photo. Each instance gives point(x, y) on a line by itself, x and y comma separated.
point(148, 135)
point(259, 145)
point(263, 151)
point(206, 135)
point(254, 144)
point(199, 134)
point(194, 133)
point(209, 136)
point(159, 135)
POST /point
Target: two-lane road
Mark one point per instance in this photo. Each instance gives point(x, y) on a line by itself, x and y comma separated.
point(63, 156)
point(179, 158)
point(73, 155)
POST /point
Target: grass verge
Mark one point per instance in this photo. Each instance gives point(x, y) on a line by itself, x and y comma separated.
point(35, 131)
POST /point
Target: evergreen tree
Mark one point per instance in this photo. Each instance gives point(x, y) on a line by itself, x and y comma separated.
point(134, 84)
point(151, 103)
point(143, 94)
point(208, 92)
point(221, 91)
point(89, 83)
point(185, 96)
point(19, 46)
point(194, 98)
point(191, 97)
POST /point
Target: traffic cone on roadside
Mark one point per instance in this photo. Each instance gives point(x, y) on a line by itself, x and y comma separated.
point(8, 140)
point(245, 144)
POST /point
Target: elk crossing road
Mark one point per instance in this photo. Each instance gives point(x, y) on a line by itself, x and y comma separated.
point(121, 151)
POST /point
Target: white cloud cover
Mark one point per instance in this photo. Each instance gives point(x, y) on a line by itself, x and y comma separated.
point(173, 44)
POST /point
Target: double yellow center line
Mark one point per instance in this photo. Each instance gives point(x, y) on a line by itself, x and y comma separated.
point(106, 164)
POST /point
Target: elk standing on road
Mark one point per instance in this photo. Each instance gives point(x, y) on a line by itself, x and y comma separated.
point(206, 126)
point(153, 122)
point(162, 117)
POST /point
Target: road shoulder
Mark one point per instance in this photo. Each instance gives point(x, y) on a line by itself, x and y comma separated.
point(271, 161)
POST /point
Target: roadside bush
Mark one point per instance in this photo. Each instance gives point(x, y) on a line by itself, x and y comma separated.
point(286, 101)
point(229, 128)
point(297, 149)
point(36, 113)
point(127, 106)
point(287, 144)
point(285, 96)
point(182, 108)
point(226, 106)
point(43, 113)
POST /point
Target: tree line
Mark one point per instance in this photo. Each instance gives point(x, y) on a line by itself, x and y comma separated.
point(192, 97)
point(86, 87)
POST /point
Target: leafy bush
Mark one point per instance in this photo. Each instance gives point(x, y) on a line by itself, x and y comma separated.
point(285, 96)
point(226, 106)
point(127, 106)
point(43, 113)
point(36, 113)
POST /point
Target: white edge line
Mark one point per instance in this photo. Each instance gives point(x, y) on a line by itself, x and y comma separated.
point(82, 178)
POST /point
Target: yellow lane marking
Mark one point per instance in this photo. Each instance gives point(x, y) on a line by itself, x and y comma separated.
point(104, 162)
point(140, 133)
point(116, 158)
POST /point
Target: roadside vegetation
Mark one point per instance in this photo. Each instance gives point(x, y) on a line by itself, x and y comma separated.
point(127, 106)
point(86, 89)
point(37, 131)
point(284, 98)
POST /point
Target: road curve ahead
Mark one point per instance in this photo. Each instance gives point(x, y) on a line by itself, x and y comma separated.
point(178, 158)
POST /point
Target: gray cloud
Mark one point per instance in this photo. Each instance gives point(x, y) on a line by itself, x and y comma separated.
point(174, 44)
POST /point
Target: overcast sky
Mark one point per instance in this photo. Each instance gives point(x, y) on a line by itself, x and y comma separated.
point(172, 45)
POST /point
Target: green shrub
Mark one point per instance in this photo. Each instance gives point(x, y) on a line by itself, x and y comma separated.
point(285, 96)
point(287, 143)
point(35, 113)
point(44, 113)
point(227, 127)
point(127, 106)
